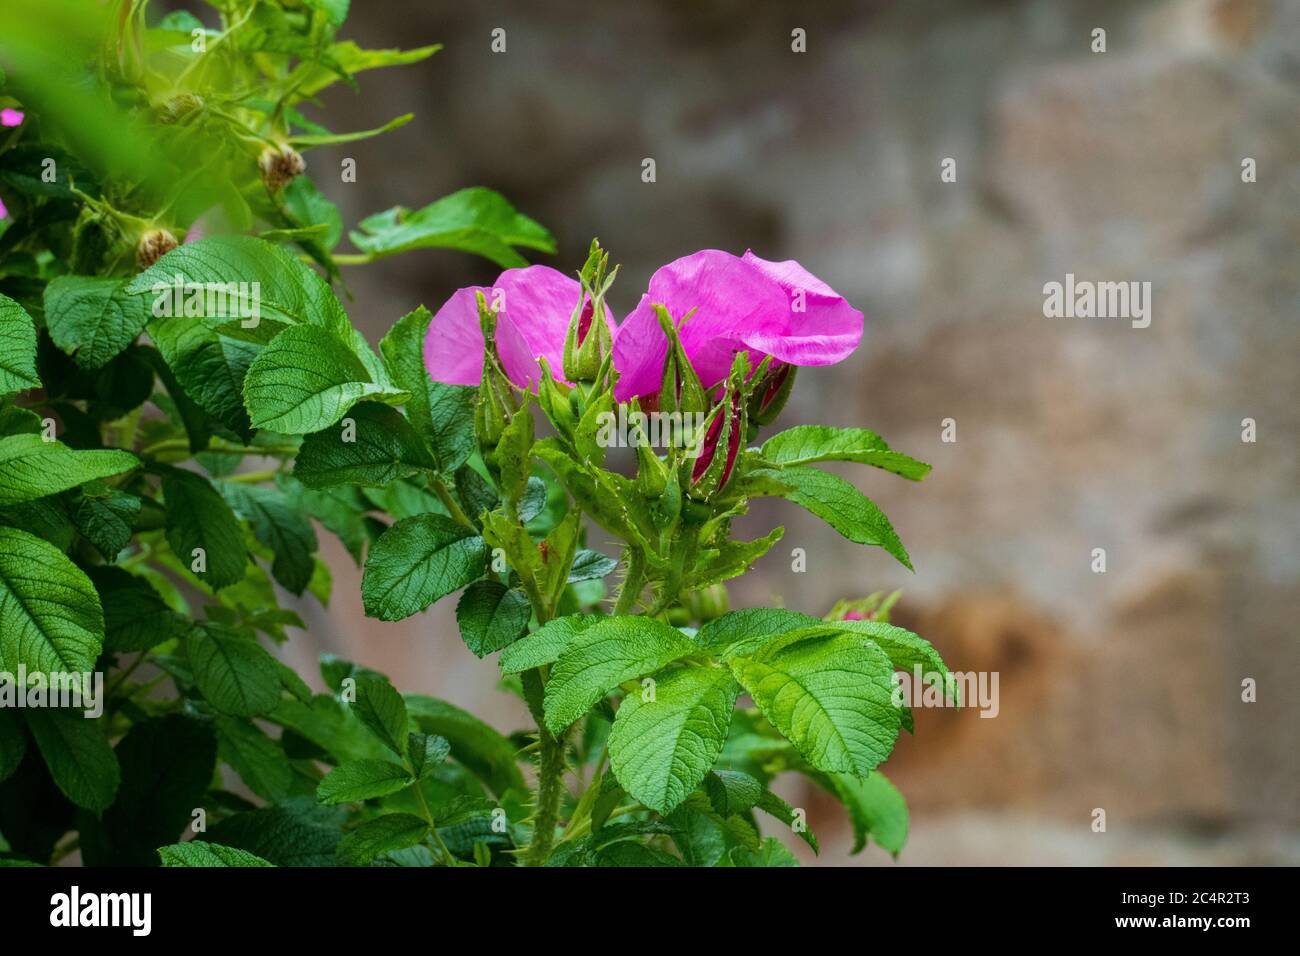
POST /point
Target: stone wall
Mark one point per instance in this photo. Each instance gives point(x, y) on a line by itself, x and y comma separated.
point(1118, 690)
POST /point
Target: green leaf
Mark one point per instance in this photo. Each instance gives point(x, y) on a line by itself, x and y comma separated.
point(806, 444)
point(730, 560)
point(661, 749)
point(602, 657)
point(311, 77)
point(374, 838)
point(201, 853)
point(260, 761)
point(47, 518)
point(306, 380)
point(288, 290)
point(327, 139)
point(209, 367)
point(750, 627)
point(591, 565)
point(198, 519)
point(31, 467)
point(13, 742)
point(876, 809)
point(294, 834)
point(772, 853)
point(545, 645)
point(556, 555)
point(167, 764)
point(235, 673)
point(383, 448)
point(840, 505)
point(491, 616)
point(93, 319)
point(830, 696)
point(478, 747)
point(904, 649)
point(285, 530)
point(380, 707)
point(608, 798)
point(473, 220)
point(442, 414)
point(475, 493)
point(136, 618)
point(50, 616)
point(512, 454)
point(335, 10)
point(362, 780)
point(17, 348)
point(425, 752)
point(81, 762)
point(340, 509)
point(629, 854)
point(106, 517)
point(731, 791)
point(418, 561)
point(309, 207)
point(770, 803)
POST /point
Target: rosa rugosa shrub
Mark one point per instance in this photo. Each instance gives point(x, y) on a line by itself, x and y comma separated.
point(185, 406)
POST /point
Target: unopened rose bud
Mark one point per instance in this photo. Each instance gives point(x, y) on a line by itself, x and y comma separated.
point(708, 603)
point(281, 165)
point(771, 394)
point(681, 389)
point(177, 107)
point(588, 340)
point(153, 245)
point(496, 404)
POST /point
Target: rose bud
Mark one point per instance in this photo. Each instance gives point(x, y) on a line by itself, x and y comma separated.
point(279, 166)
point(153, 245)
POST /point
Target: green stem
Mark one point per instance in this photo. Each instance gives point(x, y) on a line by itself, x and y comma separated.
point(550, 788)
point(352, 259)
point(632, 584)
point(449, 502)
point(183, 444)
point(130, 669)
point(584, 827)
point(254, 477)
point(433, 827)
point(588, 799)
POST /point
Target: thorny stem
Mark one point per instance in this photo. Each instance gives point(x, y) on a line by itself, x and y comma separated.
point(550, 758)
point(632, 583)
point(550, 788)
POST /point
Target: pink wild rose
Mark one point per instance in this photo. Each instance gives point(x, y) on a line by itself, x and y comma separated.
point(769, 308)
point(536, 305)
point(11, 117)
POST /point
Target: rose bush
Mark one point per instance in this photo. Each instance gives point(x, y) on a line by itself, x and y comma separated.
point(180, 420)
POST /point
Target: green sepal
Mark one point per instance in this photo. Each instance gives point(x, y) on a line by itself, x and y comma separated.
point(681, 389)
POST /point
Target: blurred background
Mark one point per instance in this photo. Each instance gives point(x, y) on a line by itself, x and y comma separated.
point(1121, 690)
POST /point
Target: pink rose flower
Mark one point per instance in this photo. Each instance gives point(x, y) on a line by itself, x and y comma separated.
point(769, 308)
point(536, 306)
